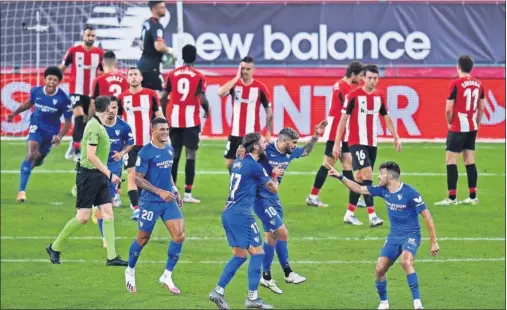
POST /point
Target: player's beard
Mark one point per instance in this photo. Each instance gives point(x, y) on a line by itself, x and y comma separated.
point(89, 43)
point(262, 156)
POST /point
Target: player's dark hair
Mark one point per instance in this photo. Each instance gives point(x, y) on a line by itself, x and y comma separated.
point(133, 68)
point(102, 103)
point(370, 68)
point(53, 71)
point(392, 168)
point(354, 67)
point(250, 140)
point(88, 27)
point(151, 4)
point(189, 53)
point(158, 120)
point(115, 99)
point(288, 133)
point(248, 59)
point(466, 63)
point(109, 55)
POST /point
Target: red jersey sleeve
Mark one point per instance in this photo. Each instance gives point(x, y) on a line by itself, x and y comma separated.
point(69, 56)
point(155, 103)
point(168, 87)
point(383, 105)
point(348, 104)
point(95, 88)
point(201, 87)
point(265, 97)
point(481, 92)
point(453, 91)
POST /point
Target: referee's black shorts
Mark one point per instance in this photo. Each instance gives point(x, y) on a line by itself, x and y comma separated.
point(93, 188)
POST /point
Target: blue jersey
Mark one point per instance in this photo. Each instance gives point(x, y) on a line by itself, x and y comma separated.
point(48, 110)
point(275, 158)
point(246, 175)
point(403, 208)
point(120, 134)
point(156, 164)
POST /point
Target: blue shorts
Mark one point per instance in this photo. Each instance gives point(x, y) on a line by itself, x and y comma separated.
point(43, 137)
point(241, 230)
point(394, 245)
point(113, 187)
point(270, 213)
point(149, 212)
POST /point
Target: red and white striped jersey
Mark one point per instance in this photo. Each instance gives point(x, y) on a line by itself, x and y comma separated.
point(109, 84)
point(340, 90)
point(185, 85)
point(466, 93)
point(364, 109)
point(246, 104)
point(138, 111)
point(85, 64)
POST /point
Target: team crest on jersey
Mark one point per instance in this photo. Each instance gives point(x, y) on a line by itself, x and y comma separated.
point(411, 241)
point(170, 153)
point(399, 196)
point(55, 101)
point(117, 132)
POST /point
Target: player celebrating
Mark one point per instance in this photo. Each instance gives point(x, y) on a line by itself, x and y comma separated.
point(159, 198)
point(184, 114)
point(122, 141)
point(247, 96)
point(404, 204)
point(340, 90)
point(463, 111)
point(140, 105)
point(154, 48)
point(239, 223)
point(50, 102)
point(86, 61)
point(93, 186)
point(111, 83)
point(361, 109)
point(269, 208)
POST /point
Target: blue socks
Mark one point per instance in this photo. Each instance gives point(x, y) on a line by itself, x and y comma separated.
point(101, 222)
point(282, 251)
point(413, 284)
point(173, 254)
point(26, 170)
point(269, 251)
point(230, 270)
point(134, 252)
point(381, 289)
point(254, 271)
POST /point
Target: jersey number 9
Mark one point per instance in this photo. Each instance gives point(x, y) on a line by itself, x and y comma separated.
point(183, 88)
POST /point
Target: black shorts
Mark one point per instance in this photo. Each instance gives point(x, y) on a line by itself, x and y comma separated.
point(129, 160)
point(93, 188)
point(185, 137)
point(232, 146)
point(363, 156)
point(459, 141)
point(153, 80)
point(80, 101)
point(329, 148)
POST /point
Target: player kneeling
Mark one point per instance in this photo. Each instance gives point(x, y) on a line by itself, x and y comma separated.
point(404, 204)
point(159, 198)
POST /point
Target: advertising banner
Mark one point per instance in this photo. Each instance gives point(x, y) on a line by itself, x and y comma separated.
point(417, 106)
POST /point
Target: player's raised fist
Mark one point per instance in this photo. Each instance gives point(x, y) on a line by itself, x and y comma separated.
point(319, 129)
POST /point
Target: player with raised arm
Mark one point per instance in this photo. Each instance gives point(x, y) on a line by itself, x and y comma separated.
point(361, 111)
point(463, 112)
point(93, 186)
point(122, 141)
point(159, 198)
point(187, 88)
point(268, 207)
point(139, 105)
point(341, 88)
point(155, 51)
point(404, 204)
point(51, 103)
point(248, 94)
point(239, 222)
point(86, 62)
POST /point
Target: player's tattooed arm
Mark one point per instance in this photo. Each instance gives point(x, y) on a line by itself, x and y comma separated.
point(272, 186)
point(351, 184)
point(319, 130)
point(431, 231)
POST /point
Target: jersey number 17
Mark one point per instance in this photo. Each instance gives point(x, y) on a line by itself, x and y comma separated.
point(234, 184)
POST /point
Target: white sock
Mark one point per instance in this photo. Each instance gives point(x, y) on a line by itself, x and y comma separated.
point(314, 196)
point(252, 295)
point(220, 290)
point(349, 213)
point(372, 215)
point(418, 301)
point(168, 273)
point(131, 270)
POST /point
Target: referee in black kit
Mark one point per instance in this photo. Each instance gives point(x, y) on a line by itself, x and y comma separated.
point(155, 51)
point(93, 186)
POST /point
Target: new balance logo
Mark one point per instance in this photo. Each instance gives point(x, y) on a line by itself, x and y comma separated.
point(493, 112)
point(418, 200)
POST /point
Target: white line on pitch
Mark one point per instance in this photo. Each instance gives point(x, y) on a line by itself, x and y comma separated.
point(302, 262)
point(225, 172)
point(190, 238)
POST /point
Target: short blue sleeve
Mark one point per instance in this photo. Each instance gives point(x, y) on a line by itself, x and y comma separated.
point(143, 161)
point(260, 174)
point(32, 94)
point(297, 152)
point(128, 137)
point(418, 203)
point(66, 107)
point(377, 191)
